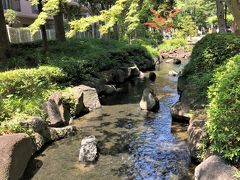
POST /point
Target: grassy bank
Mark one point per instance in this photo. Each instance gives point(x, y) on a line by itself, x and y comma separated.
point(37, 75)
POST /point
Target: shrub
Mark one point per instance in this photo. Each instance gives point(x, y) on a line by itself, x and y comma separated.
point(223, 125)
point(23, 91)
point(208, 54)
point(148, 44)
point(171, 44)
point(187, 26)
point(212, 51)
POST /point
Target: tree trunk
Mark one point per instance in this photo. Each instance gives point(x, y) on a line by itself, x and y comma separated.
point(59, 25)
point(234, 6)
point(220, 15)
point(4, 41)
point(43, 30)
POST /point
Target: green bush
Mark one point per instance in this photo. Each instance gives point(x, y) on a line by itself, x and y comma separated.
point(80, 58)
point(208, 54)
point(148, 44)
point(171, 44)
point(23, 91)
point(223, 125)
point(212, 51)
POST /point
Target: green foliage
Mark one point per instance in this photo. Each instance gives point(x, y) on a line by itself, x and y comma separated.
point(148, 44)
point(23, 91)
point(187, 26)
point(208, 54)
point(199, 10)
point(8, 127)
point(50, 8)
point(109, 17)
point(237, 175)
point(132, 19)
point(171, 44)
point(11, 17)
point(212, 51)
point(223, 112)
point(213, 19)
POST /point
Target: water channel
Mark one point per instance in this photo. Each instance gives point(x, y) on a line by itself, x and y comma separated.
point(133, 144)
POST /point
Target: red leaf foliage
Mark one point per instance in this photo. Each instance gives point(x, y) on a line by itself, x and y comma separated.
point(162, 23)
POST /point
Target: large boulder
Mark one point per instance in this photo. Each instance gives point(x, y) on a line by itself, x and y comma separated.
point(89, 95)
point(149, 100)
point(53, 114)
point(133, 72)
point(165, 55)
point(15, 152)
point(49, 134)
point(196, 133)
point(64, 109)
point(177, 61)
point(79, 107)
point(108, 89)
point(120, 75)
point(179, 112)
point(172, 73)
point(88, 150)
point(147, 65)
point(214, 168)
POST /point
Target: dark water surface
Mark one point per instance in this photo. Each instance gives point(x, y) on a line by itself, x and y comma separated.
point(133, 144)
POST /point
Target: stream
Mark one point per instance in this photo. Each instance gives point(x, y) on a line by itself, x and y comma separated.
point(133, 144)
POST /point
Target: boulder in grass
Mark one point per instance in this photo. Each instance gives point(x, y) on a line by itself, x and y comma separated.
point(64, 109)
point(88, 150)
point(89, 96)
point(149, 100)
point(53, 114)
point(15, 153)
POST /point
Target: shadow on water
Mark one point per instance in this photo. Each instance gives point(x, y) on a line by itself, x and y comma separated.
point(133, 144)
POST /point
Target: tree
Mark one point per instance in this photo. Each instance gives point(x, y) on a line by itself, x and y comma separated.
point(187, 26)
point(234, 6)
point(4, 41)
point(199, 10)
point(59, 25)
point(221, 15)
point(43, 29)
point(132, 19)
point(108, 17)
point(163, 23)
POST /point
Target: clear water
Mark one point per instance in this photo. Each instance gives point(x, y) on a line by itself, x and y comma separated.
point(133, 144)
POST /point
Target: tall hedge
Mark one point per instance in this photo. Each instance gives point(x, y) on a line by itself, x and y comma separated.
point(209, 53)
point(223, 125)
point(212, 51)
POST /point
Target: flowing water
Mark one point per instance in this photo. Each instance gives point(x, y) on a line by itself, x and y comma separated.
point(133, 144)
